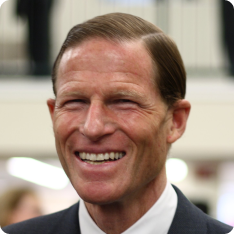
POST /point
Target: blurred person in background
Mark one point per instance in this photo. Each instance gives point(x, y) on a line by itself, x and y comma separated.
point(227, 15)
point(17, 205)
point(37, 13)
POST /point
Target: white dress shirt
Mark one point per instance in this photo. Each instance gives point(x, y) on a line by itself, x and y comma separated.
point(157, 219)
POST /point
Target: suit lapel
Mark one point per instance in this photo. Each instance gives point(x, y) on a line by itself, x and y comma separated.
point(69, 223)
point(188, 218)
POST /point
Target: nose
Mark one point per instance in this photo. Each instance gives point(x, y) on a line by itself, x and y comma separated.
point(97, 124)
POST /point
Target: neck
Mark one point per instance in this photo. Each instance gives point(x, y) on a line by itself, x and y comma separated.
point(117, 217)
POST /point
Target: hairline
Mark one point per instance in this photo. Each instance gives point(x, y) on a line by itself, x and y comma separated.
point(116, 40)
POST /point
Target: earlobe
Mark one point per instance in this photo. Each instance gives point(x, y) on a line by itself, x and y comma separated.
point(180, 113)
point(51, 106)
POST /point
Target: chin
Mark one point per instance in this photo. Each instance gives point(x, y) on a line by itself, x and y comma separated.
point(98, 194)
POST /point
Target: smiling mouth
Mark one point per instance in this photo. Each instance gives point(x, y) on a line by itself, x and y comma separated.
point(96, 159)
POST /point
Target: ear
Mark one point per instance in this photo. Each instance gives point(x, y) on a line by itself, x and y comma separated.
point(180, 113)
point(51, 106)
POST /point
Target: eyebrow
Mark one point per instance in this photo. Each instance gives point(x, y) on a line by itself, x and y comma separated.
point(111, 94)
point(72, 93)
point(128, 93)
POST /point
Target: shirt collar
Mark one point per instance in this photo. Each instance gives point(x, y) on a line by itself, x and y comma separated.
point(157, 219)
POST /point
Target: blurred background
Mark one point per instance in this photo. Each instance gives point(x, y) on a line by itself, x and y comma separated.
point(30, 38)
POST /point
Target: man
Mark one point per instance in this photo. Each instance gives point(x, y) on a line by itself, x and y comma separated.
point(119, 83)
point(37, 13)
point(227, 20)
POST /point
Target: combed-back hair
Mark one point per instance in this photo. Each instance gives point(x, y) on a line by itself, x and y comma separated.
point(169, 71)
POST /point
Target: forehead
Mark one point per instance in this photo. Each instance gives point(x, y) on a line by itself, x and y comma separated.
point(102, 56)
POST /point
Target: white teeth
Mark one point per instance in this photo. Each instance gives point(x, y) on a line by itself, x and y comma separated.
point(106, 156)
point(82, 155)
point(93, 157)
point(100, 157)
point(116, 155)
point(112, 155)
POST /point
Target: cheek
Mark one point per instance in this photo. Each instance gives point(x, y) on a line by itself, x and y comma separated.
point(141, 131)
point(65, 124)
point(135, 121)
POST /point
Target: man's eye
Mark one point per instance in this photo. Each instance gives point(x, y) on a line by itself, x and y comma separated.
point(125, 101)
point(76, 101)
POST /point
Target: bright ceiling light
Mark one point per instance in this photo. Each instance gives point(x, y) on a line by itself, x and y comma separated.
point(177, 170)
point(37, 172)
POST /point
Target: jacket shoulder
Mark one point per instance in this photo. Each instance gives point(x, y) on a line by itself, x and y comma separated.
point(65, 222)
point(189, 219)
point(216, 227)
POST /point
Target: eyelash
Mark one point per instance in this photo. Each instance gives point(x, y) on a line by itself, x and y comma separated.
point(124, 100)
point(76, 100)
point(115, 102)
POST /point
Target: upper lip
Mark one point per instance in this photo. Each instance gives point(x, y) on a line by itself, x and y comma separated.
point(98, 150)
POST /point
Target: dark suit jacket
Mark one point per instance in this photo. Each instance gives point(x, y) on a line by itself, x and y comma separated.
point(188, 220)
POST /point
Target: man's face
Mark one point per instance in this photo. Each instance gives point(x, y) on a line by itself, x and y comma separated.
point(107, 106)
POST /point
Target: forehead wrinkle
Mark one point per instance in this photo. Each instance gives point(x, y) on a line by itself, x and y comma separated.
point(128, 93)
point(110, 90)
point(76, 74)
point(115, 78)
point(72, 93)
